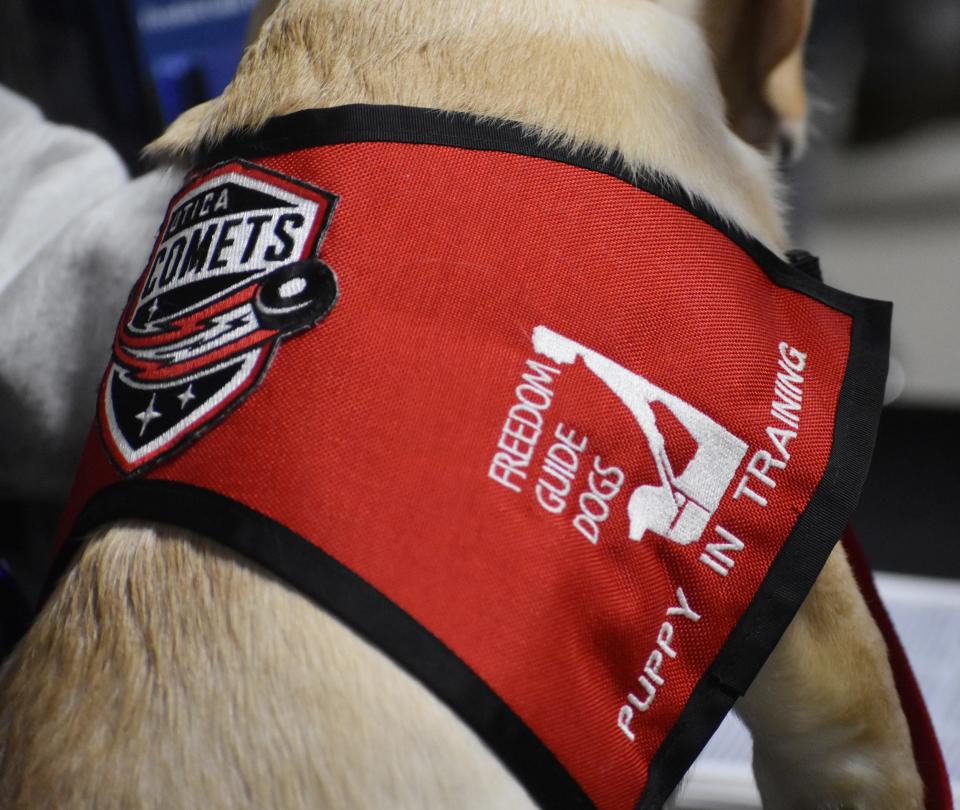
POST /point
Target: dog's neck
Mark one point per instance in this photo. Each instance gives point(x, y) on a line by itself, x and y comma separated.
point(632, 77)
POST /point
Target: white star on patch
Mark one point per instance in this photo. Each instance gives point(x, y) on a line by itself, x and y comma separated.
point(148, 414)
point(153, 308)
point(186, 397)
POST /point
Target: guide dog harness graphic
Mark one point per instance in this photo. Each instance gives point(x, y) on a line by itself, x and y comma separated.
point(559, 441)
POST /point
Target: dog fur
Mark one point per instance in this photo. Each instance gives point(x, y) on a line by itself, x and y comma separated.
point(166, 671)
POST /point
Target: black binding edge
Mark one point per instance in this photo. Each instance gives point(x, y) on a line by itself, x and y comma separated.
point(371, 123)
point(285, 553)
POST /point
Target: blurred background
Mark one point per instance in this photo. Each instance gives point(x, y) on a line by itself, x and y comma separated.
point(122, 69)
point(877, 197)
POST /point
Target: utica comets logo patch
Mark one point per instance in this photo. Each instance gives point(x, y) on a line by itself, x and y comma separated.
point(234, 270)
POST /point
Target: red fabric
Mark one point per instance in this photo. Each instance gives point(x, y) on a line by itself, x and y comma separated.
point(373, 434)
point(926, 749)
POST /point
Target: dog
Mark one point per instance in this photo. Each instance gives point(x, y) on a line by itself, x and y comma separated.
point(167, 671)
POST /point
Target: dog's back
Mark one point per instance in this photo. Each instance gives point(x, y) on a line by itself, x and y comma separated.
point(167, 672)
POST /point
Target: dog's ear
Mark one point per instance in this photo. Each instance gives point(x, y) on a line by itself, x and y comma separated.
point(758, 49)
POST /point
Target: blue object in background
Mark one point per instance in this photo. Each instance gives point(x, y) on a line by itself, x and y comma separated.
point(189, 48)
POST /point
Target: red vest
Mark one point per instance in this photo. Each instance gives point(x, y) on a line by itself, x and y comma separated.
point(558, 440)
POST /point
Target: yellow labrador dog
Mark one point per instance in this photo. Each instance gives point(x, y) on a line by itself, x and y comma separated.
point(167, 672)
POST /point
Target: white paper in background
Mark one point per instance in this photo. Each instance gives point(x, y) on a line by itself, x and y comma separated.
point(926, 613)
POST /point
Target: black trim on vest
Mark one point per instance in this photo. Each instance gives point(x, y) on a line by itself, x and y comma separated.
point(384, 624)
point(371, 123)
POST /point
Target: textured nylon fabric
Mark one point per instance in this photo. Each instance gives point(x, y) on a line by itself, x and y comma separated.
point(374, 434)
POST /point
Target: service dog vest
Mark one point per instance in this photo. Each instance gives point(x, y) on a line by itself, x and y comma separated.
point(558, 440)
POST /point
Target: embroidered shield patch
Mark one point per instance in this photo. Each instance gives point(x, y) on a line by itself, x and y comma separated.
point(234, 270)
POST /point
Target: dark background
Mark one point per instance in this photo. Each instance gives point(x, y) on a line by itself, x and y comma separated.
point(882, 71)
